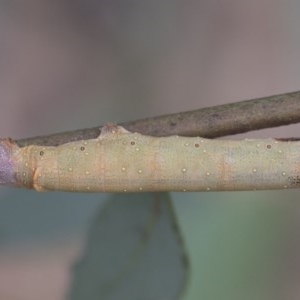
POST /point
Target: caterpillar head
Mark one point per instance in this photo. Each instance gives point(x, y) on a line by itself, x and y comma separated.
point(7, 173)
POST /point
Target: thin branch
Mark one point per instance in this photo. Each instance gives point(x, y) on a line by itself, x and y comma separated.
point(210, 122)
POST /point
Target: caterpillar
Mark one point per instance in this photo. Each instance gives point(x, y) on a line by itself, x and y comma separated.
point(122, 161)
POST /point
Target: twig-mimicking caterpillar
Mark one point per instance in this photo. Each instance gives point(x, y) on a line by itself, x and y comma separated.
point(121, 161)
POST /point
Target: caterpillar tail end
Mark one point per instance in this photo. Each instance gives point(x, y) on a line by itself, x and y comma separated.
point(7, 172)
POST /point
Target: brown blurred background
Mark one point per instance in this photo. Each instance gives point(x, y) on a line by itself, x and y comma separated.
point(74, 64)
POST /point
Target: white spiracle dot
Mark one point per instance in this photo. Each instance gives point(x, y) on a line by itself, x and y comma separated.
point(87, 172)
point(207, 173)
point(254, 170)
point(208, 188)
point(140, 171)
point(283, 173)
point(70, 169)
point(123, 169)
point(204, 150)
point(184, 170)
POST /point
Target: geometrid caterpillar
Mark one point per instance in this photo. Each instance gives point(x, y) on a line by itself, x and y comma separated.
point(121, 161)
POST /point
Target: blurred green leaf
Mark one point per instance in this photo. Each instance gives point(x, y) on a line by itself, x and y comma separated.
point(134, 252)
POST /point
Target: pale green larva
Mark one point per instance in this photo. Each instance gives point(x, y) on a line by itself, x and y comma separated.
point(121, 161)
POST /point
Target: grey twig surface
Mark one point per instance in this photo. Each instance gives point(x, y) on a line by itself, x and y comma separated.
point(210, 122)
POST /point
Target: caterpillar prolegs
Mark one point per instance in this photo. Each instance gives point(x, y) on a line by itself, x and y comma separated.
point(122, 161)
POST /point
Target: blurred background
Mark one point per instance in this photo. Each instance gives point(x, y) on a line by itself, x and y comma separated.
point(74, 64)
